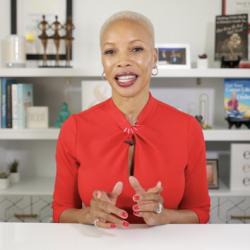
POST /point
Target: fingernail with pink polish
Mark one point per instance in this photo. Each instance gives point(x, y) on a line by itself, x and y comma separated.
point(136, 213)
point(136, 207)
point(113, 225)
point(125, 223)
point(136, 197)
point(124, 215)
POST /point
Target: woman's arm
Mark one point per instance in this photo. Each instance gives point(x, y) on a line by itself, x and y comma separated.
point(75, 215)
point(181, 216)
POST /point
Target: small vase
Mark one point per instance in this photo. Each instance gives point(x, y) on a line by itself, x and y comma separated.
point(4, 183)
point(14, 178)
point(202, 63)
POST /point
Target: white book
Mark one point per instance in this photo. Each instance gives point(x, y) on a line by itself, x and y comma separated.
point(15, 107)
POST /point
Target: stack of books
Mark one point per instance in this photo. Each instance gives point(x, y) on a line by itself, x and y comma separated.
point(14, 99)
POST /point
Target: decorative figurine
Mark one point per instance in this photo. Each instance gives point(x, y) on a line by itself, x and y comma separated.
point(44, 26)
point(64, 113)
point(56, 27)
point(69, 26)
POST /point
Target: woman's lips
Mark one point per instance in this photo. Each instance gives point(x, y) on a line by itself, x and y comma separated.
point(126, 80)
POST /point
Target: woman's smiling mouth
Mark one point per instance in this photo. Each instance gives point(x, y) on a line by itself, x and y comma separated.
point(126, 79)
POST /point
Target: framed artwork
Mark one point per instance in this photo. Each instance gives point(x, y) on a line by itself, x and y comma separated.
point(231, 7)
point(26, 16)
point(212, 173)
point(173, 56)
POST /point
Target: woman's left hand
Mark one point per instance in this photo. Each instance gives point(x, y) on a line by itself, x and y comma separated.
point(149, 203)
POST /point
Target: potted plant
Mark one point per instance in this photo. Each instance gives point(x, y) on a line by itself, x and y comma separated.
point(202, 61)
point(4, 180)
point(14, 174)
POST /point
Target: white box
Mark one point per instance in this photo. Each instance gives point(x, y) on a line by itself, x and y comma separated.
point(37, 117)
point(240, 167)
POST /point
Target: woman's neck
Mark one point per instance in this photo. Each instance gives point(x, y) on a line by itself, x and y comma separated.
point(131, 106)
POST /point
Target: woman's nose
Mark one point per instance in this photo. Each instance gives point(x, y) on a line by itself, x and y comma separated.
point(124, 61)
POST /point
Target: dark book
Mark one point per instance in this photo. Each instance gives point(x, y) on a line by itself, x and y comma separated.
point(231, 37)
point(9, 106)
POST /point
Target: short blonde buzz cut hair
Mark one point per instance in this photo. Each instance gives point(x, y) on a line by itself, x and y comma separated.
point(130, 16)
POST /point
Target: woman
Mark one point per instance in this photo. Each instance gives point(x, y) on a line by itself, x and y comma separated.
point(132, 158)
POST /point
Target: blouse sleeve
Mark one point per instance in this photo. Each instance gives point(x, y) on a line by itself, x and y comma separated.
point(196, 197)
point(66, 191)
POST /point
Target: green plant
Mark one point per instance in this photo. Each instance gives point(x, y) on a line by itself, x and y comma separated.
point(13, 166)
point(3, 175)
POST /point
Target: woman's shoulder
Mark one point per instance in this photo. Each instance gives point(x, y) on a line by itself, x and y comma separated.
point(170, 112)
point(94, 112)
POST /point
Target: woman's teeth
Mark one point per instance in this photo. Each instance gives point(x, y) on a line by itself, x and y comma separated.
point(124, 79)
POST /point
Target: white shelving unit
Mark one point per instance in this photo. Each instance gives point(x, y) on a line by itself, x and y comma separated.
point(44, 186)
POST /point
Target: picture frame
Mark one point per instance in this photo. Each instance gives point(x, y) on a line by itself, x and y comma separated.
point(16, 16)
point(173, 56)
point(231, 7)
point(212, 169)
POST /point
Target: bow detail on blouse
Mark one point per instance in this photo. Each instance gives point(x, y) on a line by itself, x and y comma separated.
point(131, 132)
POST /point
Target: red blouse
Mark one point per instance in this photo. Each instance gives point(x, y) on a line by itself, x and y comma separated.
point(91, 154)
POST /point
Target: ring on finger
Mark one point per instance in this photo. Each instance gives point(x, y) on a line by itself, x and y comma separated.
point(95, 222)
point(158, 209)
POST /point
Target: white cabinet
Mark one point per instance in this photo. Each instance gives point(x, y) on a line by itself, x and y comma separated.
point(53, 86)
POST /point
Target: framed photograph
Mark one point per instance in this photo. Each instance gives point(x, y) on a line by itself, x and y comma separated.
point(212, 173)
point(173, 56)
point(26, 16)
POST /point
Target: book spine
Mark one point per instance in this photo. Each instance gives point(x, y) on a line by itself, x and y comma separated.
point(9, 106)
point(0, 103)
point(25, 99)
point(15, 107)
point(3, 102)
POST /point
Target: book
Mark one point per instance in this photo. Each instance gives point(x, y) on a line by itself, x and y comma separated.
point(6, 102)
point(237, 98)
point(231, 37)
point(22, 97)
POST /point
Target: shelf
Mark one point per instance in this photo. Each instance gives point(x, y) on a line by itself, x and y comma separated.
point(45, 186)
point(83, 73)
point(52, 134)
point(46, 72)
point(227, 135)
point(225, 191)
point(29, 134)
point(204, 73)
point(31, 186)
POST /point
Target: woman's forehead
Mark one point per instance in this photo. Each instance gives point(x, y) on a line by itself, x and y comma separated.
point(126, 27)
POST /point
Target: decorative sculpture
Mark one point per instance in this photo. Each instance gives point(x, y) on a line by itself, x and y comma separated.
point(57, 36)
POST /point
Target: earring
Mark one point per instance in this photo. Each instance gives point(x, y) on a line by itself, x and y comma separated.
point(103, 76)
point(155, 70)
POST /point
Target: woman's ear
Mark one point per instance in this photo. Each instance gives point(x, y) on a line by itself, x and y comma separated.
point(155, 56)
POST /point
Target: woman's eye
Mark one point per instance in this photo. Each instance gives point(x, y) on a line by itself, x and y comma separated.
point(137, 49)
point(109, 52)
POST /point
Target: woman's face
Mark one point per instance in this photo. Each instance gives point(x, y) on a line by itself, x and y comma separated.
point(128, 56)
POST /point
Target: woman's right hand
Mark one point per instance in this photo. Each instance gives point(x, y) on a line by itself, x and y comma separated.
point(103, 211)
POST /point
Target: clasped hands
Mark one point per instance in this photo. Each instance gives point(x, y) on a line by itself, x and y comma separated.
point(104, 213)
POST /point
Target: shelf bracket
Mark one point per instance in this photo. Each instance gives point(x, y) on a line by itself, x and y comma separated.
point(198, 81)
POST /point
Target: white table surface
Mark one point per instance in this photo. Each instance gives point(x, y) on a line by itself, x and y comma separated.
point(42, 236)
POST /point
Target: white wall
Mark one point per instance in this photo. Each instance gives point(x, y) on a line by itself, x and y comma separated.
point(184, 21)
